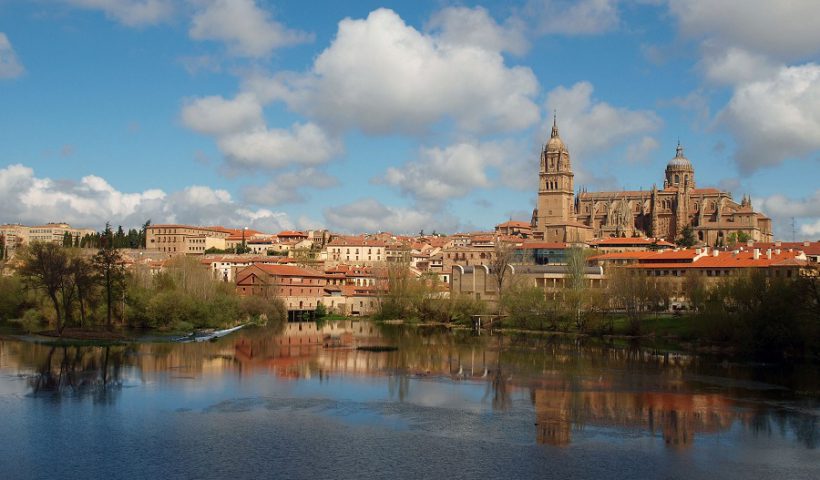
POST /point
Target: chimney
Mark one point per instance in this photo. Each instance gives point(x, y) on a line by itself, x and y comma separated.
point(769, 253)
point(777, 251)
point(806, 244)
point(715, 252)
point(697, 251)
point(750, 243)
point(777, 243)
point(756, 253)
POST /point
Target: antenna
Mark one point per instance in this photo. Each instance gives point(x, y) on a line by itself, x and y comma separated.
point(793, 231)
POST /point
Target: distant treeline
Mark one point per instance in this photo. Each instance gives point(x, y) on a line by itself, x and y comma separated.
point(133, 238)
point(56, 287)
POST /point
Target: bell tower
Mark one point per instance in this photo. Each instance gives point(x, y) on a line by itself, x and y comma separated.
point(556, 192)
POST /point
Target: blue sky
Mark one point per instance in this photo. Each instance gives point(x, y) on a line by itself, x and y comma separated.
point(396, 116)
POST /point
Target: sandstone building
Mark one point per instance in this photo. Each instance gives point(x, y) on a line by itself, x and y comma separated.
point(560, 216)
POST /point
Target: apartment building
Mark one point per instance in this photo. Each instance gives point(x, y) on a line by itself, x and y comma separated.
point(185, 239)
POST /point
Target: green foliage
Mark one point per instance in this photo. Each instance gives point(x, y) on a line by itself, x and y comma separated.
point(687, 237)
point(32, 320)
point(12, 298)
point(187, 296)
point(764, 317)
point(528, 307)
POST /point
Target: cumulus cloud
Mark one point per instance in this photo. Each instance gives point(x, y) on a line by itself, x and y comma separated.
point(440, 174)
point(247, 29)
point(733, 65)
point(641, 151)
point(370, 215)
point(215, 115)
point(383, 76)
point(589, 126)
point(10, 66)
point(464, 26)
point(274, 148)
point(132, 13)
point(776, 118)
point(284, 188)
point(785, 30)
point(573, 17)
point(92, 201)
point(247, 143)
point(782, 209)
point(811, 229)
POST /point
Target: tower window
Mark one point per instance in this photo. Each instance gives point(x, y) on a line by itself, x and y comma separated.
point(677, 178)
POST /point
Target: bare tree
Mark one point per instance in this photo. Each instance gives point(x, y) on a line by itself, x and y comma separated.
point(500, 260)
point(45, 265)
point(629, 289)
point(576, 283)
point(108, 263)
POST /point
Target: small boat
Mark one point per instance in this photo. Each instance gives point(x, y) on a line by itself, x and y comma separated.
point(207, 336)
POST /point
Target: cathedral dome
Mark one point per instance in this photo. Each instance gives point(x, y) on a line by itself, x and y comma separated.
point(679, 162)
point(555, 144)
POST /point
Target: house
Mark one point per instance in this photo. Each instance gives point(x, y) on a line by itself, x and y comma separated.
point(301, 289)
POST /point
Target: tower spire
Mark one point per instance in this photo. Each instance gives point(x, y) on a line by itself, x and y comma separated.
point(679, 150)
point(554, 124)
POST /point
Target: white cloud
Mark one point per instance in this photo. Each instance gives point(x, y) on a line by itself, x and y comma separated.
point(588, 126)
point(811, 229)
point(247, 29)
point(303, 144)
point(238, 126)
point(782, 206)
point(370, 215)
point(284, 188)
point(785, 30)
point(641, 151)
point(573, 17)
point(10, 66)
point(383, 76)
point(776, 118)
point(733, 65)
point(215, 115)
point(782, 209)
point(196, 64)
point(93, 201)
point(462, 26)
point(443, 173)
point(132, 13)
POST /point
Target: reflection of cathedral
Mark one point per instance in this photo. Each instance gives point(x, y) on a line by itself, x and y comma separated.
point(661, 213)
point(677, 417)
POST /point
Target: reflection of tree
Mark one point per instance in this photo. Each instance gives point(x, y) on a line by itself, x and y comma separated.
point(79, 370)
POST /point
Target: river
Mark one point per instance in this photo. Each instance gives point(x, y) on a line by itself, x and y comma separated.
point(258, 404)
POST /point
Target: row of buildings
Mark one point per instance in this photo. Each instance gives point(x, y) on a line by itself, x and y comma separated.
point(636, 230)
point(15, 235)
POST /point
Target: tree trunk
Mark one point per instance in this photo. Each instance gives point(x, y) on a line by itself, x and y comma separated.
point(59, 326)
point(108, 296)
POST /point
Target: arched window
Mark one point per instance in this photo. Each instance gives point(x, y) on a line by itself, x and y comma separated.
point(677, 178)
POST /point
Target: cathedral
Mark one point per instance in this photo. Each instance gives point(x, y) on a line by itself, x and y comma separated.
point(561, 216)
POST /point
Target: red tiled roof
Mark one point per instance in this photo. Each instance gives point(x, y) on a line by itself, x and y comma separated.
point(631, 241)
point(647, 255)
point(813, 248)
point(291, 233)
point(289, 270)
point(515, 224)
point(551, 245)
point(744, 259)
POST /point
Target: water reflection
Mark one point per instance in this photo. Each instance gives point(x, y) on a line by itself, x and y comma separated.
point(570, 386)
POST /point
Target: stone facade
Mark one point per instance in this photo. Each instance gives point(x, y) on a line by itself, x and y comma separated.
point(660, 213)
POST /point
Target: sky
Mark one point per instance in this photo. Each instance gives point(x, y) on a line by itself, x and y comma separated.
point(397, 116)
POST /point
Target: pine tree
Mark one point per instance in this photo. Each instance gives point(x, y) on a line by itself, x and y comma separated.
point(108, 263)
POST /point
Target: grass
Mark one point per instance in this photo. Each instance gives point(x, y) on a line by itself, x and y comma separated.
point(663, 325)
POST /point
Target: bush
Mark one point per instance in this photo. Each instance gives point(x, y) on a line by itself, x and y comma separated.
point(32, 320)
